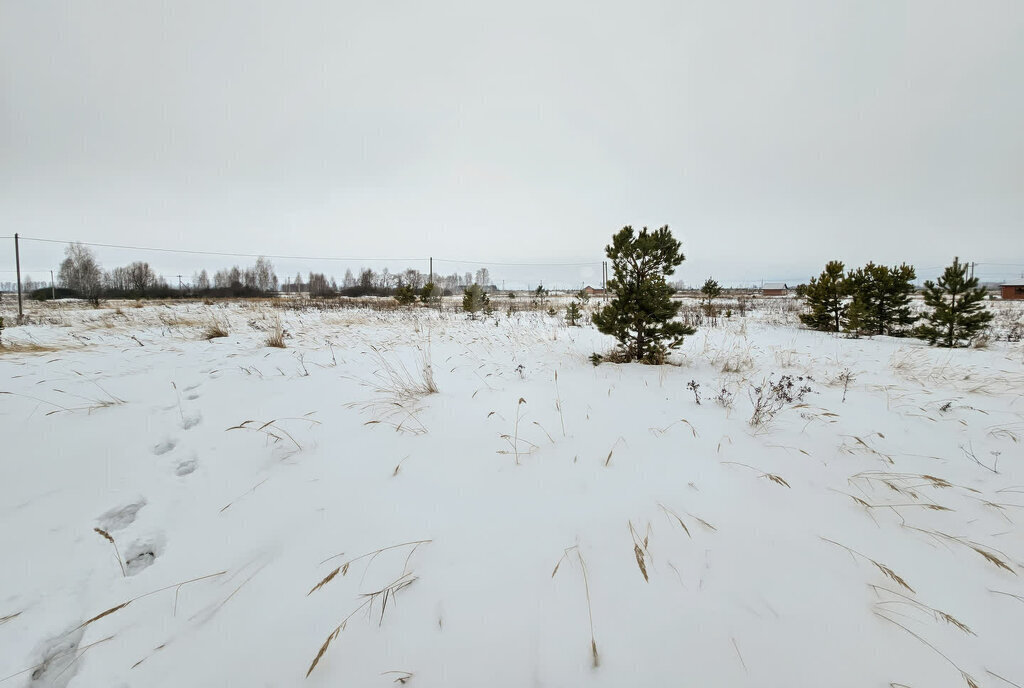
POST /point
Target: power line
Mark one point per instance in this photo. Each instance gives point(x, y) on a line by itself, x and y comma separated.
point(491, 262)
point(217, 253)
point(230, 254)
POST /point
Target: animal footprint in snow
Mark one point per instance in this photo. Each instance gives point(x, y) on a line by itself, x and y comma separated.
point(57, 660)
point(191, 420)
point(121, 517)
point(186, 466)
point(163, 447)
point(142, 554)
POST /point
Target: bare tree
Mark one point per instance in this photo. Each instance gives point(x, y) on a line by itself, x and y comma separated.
point(264, 277)
point(367, 278)
point(81, 272)
point(318, 285)
point(139, 277)
point(201, 281)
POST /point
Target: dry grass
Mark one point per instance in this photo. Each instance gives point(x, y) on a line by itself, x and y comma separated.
point(276, 337)
point(119, 607)
point(109, 538)
point(273, 430)
point(388, 591)
point(384, 594)
point(514, 440)
point(595, 657)
point(9, 347)
point(888, 572)
point(215, 330)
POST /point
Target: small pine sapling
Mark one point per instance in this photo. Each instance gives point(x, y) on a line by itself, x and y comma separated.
point(474, 300)
point(405, 295)
point(709, 292)
point(572, 313)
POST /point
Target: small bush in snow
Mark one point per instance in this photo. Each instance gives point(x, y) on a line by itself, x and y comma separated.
point(771, 396)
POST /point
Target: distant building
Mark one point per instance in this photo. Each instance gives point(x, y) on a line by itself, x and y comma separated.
point(591, 291)
point(775, 289)
point(1013, 291)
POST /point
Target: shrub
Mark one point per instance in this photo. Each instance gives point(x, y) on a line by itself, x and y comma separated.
point(771, 396)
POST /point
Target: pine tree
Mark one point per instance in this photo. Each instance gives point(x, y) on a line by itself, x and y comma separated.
point(641, 314)
point(474, 300)
point(824, 297)
point(958, 314)
point(430, 294)
point(711, 291)
point(881, 299)
point(572, 312)
point(405, 295)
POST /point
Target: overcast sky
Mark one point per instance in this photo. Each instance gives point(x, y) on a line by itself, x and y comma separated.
point(770, 136)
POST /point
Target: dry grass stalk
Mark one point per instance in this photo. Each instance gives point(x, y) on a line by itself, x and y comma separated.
point(373, 555)
point(271, 428)
point(1004, 680)
point(677, 517)
point(558, 404)
point(109, 538)
point(403, 676)
point(778, 480)
point(513, 439)
point(595, 657)
point(888, 572)
point(640, 551)
point(968, 679)
point(905, 600)
point(389, 590)
point(110, 611)
point(988, 553)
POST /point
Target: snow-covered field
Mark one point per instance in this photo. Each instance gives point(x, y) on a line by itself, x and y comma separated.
point(537, 521)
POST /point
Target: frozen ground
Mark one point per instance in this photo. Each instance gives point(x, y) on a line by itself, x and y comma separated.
point(537, 521)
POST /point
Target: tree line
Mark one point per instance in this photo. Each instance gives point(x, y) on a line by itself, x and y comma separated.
point(875, 299)
point(81, 275)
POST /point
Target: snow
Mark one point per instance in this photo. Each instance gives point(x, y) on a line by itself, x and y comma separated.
point(258, 471)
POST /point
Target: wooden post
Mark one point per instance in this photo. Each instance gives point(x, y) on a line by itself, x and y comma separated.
point(17, 263)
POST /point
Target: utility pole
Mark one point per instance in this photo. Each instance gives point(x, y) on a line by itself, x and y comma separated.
point(17, 264)
point(972, 269)
point(179, 282)
point(431, 280)
point(53, 291)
